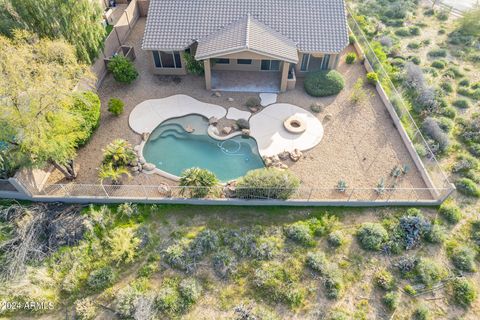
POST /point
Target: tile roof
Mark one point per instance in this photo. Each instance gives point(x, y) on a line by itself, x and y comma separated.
point(247, 34)
point(314, 25)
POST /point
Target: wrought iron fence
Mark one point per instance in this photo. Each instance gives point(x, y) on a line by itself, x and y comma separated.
point(424, 150)
point(160, 192)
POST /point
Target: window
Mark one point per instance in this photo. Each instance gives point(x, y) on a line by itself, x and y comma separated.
point(244, 61)
point(164, 59)
point(325, 61)
point(222, 61)
point(305, 62)
point(270, 65)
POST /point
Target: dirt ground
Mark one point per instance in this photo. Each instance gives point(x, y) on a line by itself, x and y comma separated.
point(360, 143)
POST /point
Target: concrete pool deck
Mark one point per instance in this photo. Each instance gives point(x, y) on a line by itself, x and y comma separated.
point(149, 114)
point(266, 126)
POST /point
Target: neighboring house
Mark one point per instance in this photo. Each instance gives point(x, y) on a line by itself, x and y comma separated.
point(265, 42)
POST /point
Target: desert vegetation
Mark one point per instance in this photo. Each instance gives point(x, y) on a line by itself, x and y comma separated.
point(146, 261)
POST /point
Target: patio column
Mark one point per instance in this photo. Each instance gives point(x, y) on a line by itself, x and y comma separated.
point(283, 82)
point(208, 74)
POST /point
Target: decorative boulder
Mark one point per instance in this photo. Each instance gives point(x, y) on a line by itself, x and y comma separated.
point(149, 167)
point(295, 155)
point(246, 132)
point(217, 94)
point(243, 124)
point(145, 136)
point(213, 121)
point(227, 130)
point(230, 99)
point(284, 155)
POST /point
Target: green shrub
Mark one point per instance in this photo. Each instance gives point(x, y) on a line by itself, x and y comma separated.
point(87, 105)
point(467, 187)
point(414, 30)
point(450, 212)
point(333, 282)
point(267, 183)
point(192, 65)
point(463, 258)
point(413, 45)
point(464, 292)
point(253, 102)
point(447, 87)
point(350, 58)
point(168, 299)
point(372, 78)
point(403, 32)
point(119, 153)
point(123, 244)
point(464, 83)
point(324, 83)
point(436, 234)
point(442, 53)
point(461, 103)
point(115, 106)
point(101, 278)
point(390, 300)
point(410, 290)
point(438, 64)
point(300, 232)
point(318, 262)
point(190, 290)
point(442, 15)
point(316, 107)
point(279, 282)
point(85, 309)
point(449, 112)
point(384, 280)
point(114, 174)
point(351, 39)
point(415, 60)
point(197, 182)
point(122, 69)
point(456, 72)
point(421, 313)
point(372, 236)
point(336, 239)
point(428, 272)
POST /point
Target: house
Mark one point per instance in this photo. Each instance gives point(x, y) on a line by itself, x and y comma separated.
point(249, 45)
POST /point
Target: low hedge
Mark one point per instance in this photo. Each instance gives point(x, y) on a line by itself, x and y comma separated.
point(324, 83)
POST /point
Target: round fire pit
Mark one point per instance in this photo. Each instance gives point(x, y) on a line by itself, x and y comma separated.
point(294, 124)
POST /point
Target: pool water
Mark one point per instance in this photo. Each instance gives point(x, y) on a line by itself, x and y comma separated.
point(172, 149)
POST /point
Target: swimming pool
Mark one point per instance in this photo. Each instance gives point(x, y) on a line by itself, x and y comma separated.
point(172, 149)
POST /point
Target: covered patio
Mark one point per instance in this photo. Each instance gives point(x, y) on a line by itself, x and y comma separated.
point(246, 81)
point(247, 56)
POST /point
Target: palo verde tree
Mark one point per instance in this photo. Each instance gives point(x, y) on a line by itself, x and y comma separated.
point(37, 116)
point(76, 21)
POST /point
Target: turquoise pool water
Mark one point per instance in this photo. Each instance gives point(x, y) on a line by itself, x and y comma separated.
point(172, 149)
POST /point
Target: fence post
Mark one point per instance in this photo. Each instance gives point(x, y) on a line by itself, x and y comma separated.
point(145, 192)
point(351, 194)
point(64, 190)
point(105, 190)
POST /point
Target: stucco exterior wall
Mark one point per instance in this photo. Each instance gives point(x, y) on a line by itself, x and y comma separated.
point(168, 71)
point(233, 65)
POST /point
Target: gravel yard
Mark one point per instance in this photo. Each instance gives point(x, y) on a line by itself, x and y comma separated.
point(360, 145)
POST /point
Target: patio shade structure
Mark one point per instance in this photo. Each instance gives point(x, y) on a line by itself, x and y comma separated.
point(248, 39)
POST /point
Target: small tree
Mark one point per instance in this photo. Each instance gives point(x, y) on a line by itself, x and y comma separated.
point(122, 69)
point(37, 117)
point(114, 174)
point(197, 182)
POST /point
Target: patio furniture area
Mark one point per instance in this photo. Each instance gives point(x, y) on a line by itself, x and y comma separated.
point(245, 81)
